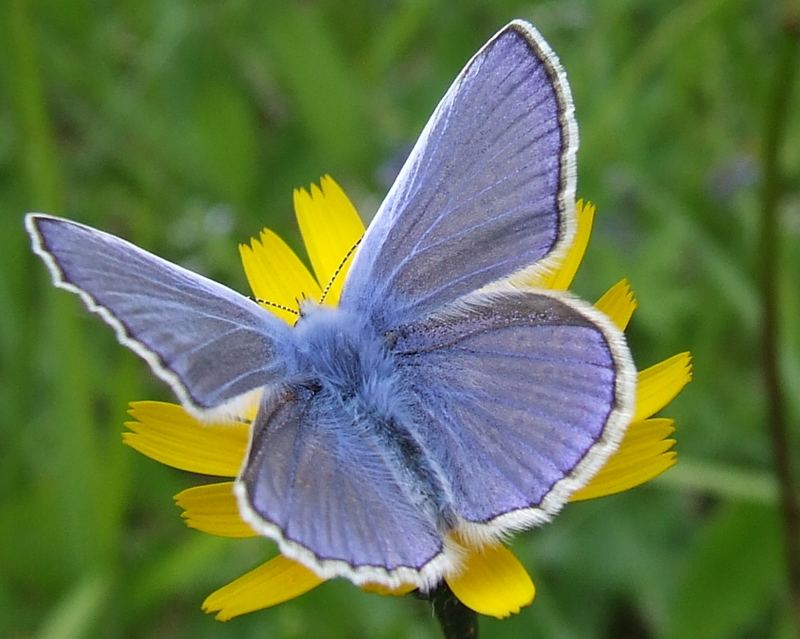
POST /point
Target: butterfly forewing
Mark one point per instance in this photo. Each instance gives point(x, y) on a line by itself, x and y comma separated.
point(209, 343)
point(487, 192)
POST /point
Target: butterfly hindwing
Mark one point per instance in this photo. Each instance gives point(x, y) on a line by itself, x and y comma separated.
point(209, 343)
point(487, 192)
point(325, 486)
point(522, 395)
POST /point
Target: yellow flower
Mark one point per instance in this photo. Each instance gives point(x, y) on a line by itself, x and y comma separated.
point(491, 580)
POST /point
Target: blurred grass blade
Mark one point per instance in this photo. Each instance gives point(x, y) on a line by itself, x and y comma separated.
point(75, 616)
point(68, 412)
point(319, 79)
point(721, 480)
point(776, 135)
point(39, 157)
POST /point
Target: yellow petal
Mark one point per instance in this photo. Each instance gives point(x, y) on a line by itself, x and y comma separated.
point(561, 277)
point(276, 275)
point(331, 228)
point(380, 589)
point(277, 581)
point(645, 432)
point(603, 488)
point(659, 384)
point(643, 454)
point(212, 508)
point(618, 303)
point(167, 433)
point(492, 582)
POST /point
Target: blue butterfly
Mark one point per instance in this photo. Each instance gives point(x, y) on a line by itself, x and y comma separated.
point(444, 394)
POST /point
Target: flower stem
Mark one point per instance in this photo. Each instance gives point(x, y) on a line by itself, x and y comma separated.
point(777, 116)
point(456, 620)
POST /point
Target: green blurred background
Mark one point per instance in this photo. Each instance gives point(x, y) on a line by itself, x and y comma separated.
point(184, 125)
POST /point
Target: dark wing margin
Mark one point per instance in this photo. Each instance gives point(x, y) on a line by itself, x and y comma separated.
point(487, 193)
point(523, 395)
point(213, 346)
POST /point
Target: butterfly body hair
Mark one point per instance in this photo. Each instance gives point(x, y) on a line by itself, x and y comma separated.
point(361, 393)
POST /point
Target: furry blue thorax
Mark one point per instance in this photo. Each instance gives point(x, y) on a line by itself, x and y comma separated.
point(341, 351)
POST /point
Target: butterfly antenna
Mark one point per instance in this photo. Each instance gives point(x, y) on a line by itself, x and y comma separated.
point(339, 270)
point(281, 307)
